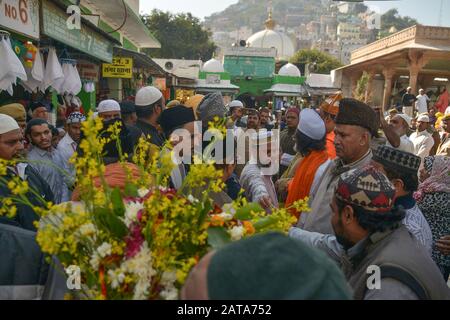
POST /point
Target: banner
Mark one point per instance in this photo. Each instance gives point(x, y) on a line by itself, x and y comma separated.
point(120, 68)
point(20, 16)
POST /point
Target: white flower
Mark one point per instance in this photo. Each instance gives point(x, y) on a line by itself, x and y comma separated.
point(237, 233)
point(141, 267)
point(131, 212)
point(117, 277)
point(104, 250)
point(192, 199)
point(95, 261)
point(229, 209)
point(169, 294)
point(225, 216)
point(143, 192)
point(168, 278)
point(87, 230)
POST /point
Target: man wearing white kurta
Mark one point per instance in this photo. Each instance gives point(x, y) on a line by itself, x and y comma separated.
point(423, 141)
point(422, 102)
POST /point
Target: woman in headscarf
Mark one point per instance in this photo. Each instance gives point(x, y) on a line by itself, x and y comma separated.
point(433, 198)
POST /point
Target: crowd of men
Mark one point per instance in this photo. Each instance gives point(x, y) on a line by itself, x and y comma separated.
point(378, 188)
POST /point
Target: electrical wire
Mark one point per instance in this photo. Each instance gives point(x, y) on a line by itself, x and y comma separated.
point(124, 18)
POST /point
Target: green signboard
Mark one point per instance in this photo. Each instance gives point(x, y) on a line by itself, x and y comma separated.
point(250, 66)
point(85, 40)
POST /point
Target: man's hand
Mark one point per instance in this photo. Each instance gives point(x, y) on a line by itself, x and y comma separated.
point(443, 245)
point(265, 202)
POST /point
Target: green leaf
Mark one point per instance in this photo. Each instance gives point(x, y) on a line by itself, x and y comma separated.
point(204, 209)
point(116, 226)
point(244, 213)
point(117, 202)
point(131, 190)
point(218, 237)
point(264, 223)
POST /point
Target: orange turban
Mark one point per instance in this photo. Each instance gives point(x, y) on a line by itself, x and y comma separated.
point(115, 176)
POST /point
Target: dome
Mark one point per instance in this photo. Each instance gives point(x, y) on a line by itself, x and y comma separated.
point(269, 38)
point(213, 65)
point(273, 39)
point(290, 70)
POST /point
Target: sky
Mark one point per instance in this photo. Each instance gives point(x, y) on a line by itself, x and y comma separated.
point(425, 11)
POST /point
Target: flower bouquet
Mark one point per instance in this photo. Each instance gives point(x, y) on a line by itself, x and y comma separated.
point(139, 239)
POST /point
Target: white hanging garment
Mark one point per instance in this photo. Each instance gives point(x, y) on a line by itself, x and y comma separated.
point(75, 85)
point(35, 75)
point(90, 87)
point(11, 67)
point(54, 75)
point(86, 87)
point(61, 85)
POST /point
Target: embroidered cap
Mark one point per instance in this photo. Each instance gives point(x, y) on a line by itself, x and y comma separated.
point(367, 188)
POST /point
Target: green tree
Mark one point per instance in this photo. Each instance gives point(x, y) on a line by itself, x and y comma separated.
point(324, 62)
point(392, 19)
point(181, 36)
point(360, 8)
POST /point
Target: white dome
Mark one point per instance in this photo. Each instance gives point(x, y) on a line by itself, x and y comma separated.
point(272, 39)
point(290, 70)
point(213, 65)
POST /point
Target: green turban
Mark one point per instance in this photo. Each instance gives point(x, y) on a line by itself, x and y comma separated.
point(274, 267)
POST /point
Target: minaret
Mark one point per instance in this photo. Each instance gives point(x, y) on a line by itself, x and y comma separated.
point(270, 23)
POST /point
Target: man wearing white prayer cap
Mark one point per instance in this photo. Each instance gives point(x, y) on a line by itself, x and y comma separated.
point(23, 270)
point(255, 178)
point(236, 108)
point(109, 109)
point(150, 104)
point(11, 147)
point(311, 145)
point(423, 141)
point(10, 138)
point(396, 132)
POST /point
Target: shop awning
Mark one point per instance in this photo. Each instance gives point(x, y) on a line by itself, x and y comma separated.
point(140, 60)
point(134, 29)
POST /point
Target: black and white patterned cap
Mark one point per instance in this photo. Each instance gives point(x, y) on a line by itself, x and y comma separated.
point(75, 117)
point(397, 160)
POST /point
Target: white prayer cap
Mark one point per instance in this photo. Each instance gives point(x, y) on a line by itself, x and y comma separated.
point(108, 106)
point(311, 124)
point(423, 118)
point(236, 104)
point(147, 96)
point(7, 124)
point(404, 117)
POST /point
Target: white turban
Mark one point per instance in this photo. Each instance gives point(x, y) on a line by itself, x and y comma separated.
point(108, 106)
point(7, 124)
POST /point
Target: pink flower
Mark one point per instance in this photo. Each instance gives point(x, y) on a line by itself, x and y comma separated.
point(134, 241)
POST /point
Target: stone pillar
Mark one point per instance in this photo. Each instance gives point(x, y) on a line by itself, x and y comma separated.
point(354, 78)
point(388, 73)
point(416, 61)
point(369, 88)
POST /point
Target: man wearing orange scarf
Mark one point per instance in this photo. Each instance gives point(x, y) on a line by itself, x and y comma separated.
point(310, 138)
point(328, 112)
